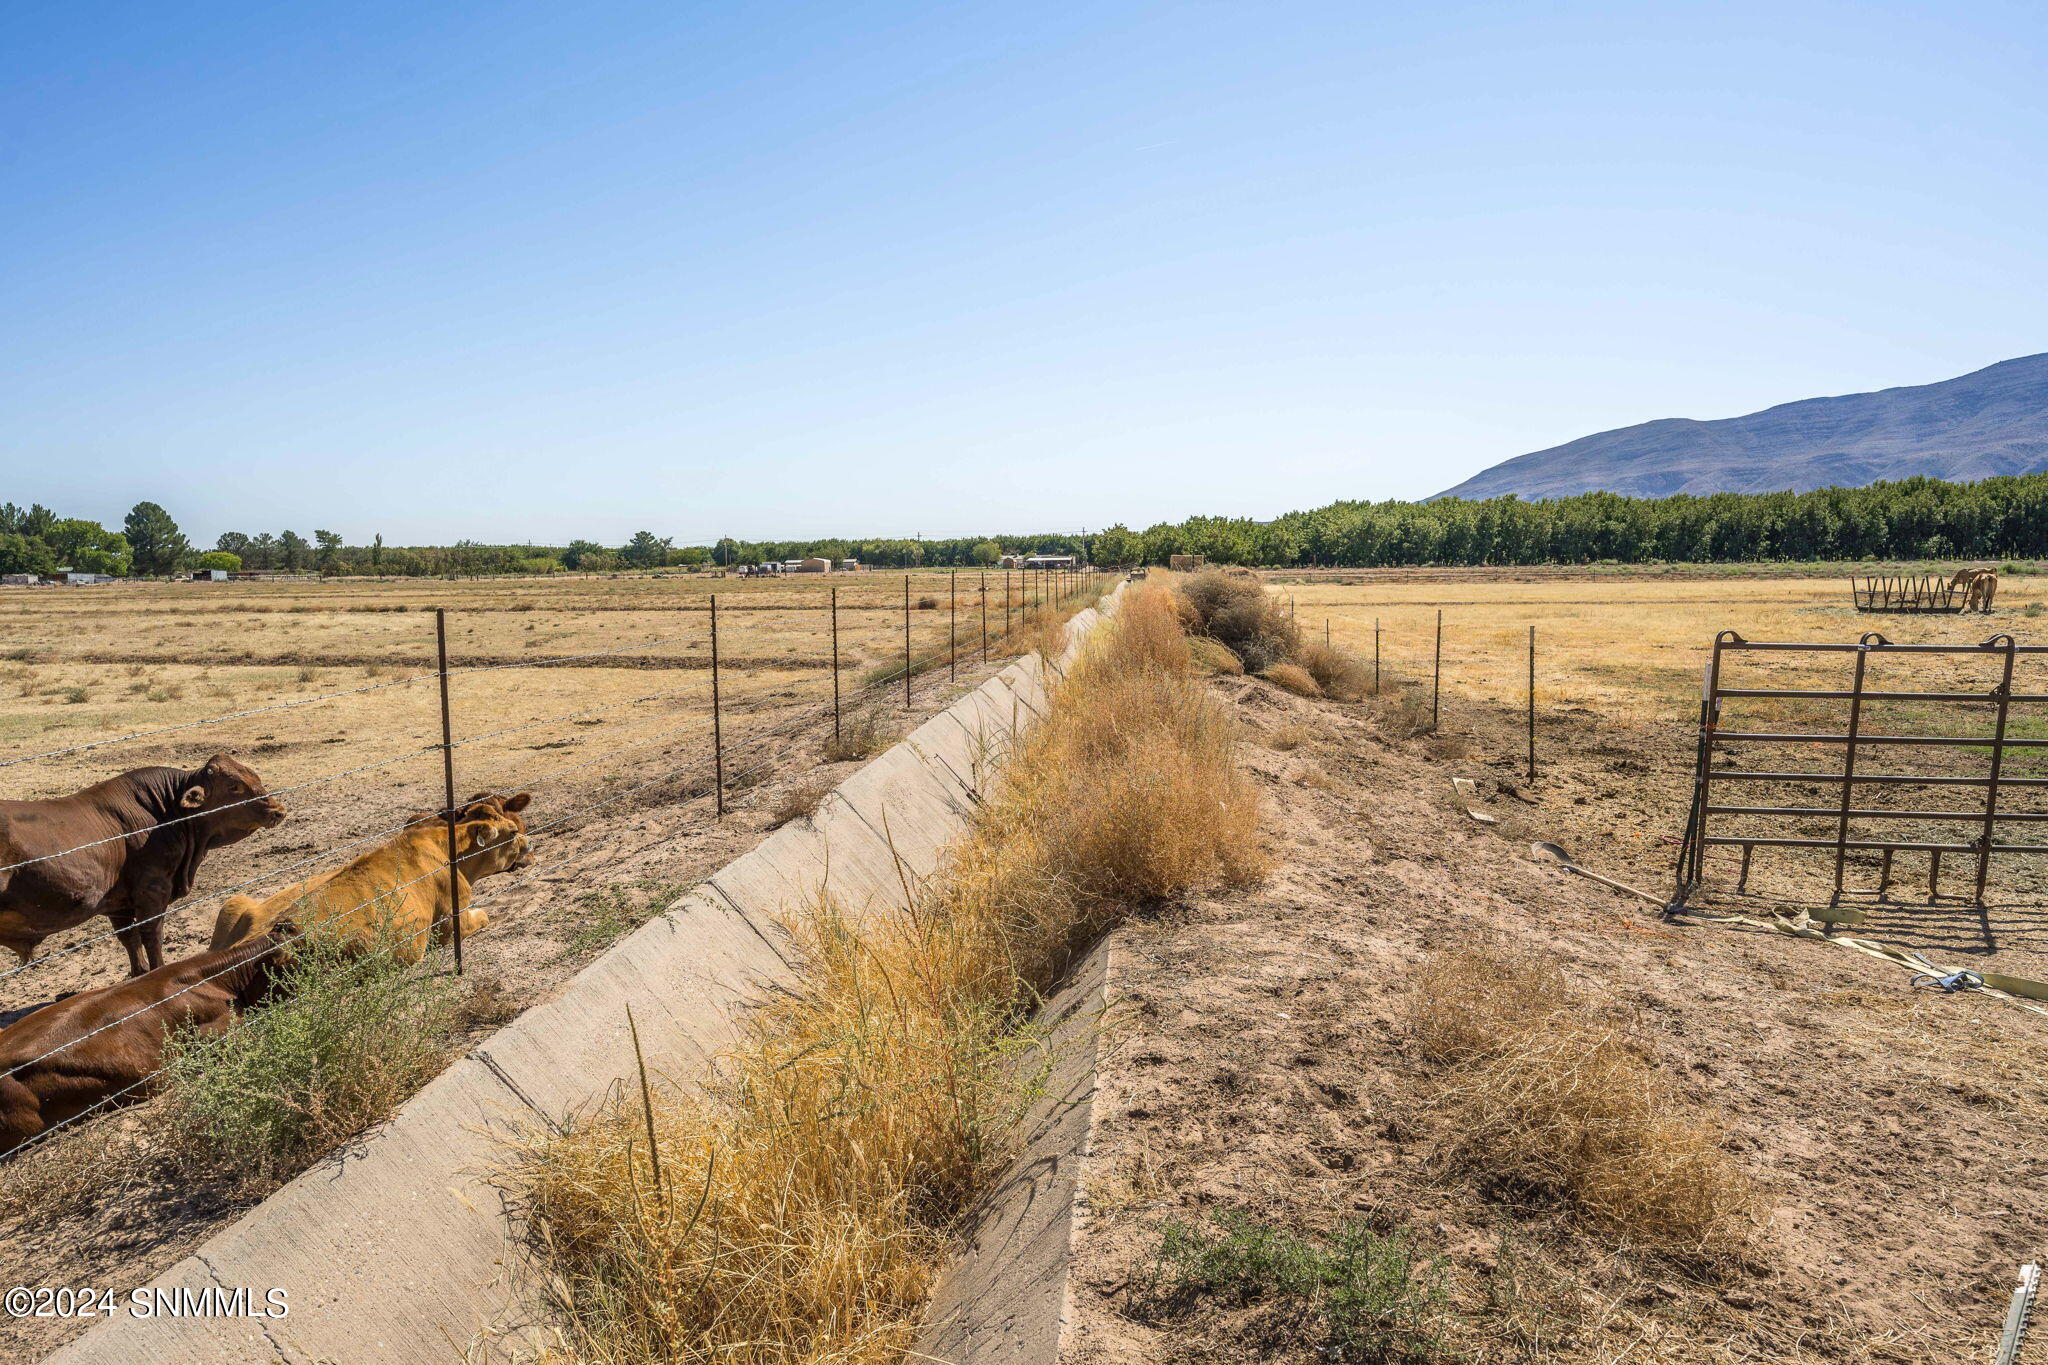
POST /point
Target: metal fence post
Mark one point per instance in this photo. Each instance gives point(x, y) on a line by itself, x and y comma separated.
point(953, 626)
point(717, 721)
point(1375, 656)
point(448, 787)
point(1849, 775)
point(835, 668)
point(1436, 687)
point(1532, 704)
point(906, 642)
point(2004, 698)
point(984, 615)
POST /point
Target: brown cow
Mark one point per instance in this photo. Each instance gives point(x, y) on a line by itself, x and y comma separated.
point(100, 1049)
point(137, 842)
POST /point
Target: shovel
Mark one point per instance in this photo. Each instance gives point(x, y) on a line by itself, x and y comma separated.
point(1550, 853)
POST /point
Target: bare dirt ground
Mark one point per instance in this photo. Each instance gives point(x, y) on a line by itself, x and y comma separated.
point(1263, 1062)
point(636, 828)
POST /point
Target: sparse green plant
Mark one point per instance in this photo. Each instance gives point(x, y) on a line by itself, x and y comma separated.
point(349, 1037)
point(861, 735)
point(602, 918)
point(1357, 1295)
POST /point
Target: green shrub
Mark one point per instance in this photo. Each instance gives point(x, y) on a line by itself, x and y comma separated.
point(349, 1036)
point(1359, 1295)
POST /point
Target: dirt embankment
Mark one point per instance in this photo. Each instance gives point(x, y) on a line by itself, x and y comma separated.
point(1264, 1064)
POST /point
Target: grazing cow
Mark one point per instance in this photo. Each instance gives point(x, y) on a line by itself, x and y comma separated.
point(101, 1048)
point(398, 891)
point(136, 842)
point(1980, 587)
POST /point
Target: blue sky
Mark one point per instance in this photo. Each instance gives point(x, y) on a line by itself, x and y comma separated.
point(534, 271)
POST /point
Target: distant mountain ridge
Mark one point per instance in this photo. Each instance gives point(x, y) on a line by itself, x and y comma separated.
point(1992, 421)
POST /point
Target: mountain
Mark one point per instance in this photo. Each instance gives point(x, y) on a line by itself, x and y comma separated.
point(1994, 421)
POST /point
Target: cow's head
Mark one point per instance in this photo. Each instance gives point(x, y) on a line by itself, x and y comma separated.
point(490, 834)
point(264, 970)
point(230, 800)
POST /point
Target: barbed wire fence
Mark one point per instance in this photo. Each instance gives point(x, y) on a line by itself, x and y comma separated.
point(997, 614)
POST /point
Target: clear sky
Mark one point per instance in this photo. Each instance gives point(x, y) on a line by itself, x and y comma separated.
point(540, 270)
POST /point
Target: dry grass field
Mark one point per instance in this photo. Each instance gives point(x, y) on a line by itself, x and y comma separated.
point(1619, 666)
point(343, 715)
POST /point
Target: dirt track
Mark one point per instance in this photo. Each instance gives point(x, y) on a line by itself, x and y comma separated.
point(1263, 1063)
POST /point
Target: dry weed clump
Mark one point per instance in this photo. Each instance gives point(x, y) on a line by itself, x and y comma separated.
point(1401, 714)
point(1236, 610)
point(1288, 738)
point(795, 1210)
point(1546, 1091)
point(1293, 678)
point(1212, 657)
point(1342, 675)
point(800, 801)
point(861, 735)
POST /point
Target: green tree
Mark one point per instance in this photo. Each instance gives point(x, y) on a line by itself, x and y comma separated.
point(645, 550)
point(377, 553)
point(154, 539)
point(69, 536)
point(988, 552)
point(1119, 545)
point(293, 552)
point(105, 559)
point(329, 554)
point(25, 554)
point(232, 543)
point(219, 559)
point(580, 550)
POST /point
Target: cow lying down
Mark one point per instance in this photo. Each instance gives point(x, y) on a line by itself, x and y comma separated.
point(396, 893)
point(100, 1048)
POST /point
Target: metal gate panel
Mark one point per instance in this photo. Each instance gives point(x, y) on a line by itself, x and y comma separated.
point(1855, 743)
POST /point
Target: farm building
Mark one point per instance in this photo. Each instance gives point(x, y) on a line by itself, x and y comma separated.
point(209, 575)
point(1186, 563)
point(814, 565)
point(73, 576)
point(19, 580)
point(1051, 561)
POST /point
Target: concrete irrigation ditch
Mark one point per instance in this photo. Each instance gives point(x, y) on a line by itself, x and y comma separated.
point(399, 1249)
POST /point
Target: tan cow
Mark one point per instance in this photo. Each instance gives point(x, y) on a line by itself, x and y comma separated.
point(1980, 587)
point(398, 891)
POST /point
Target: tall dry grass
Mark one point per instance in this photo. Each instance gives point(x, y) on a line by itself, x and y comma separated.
point(1550, 1093)
point(795, 1210)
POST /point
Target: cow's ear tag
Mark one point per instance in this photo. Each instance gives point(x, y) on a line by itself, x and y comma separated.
point(194, 797)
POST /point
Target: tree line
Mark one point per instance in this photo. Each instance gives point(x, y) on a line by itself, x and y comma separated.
point(1918, 518)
